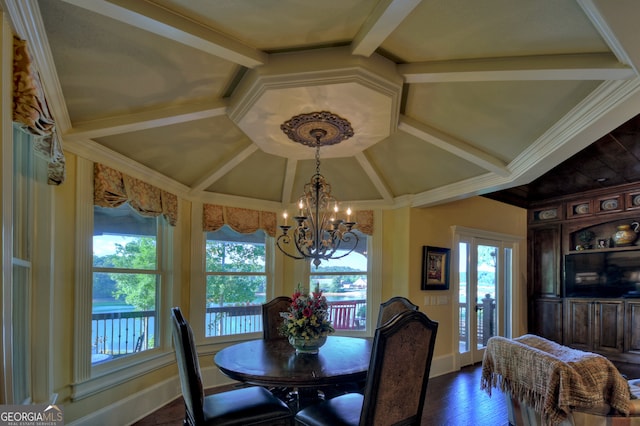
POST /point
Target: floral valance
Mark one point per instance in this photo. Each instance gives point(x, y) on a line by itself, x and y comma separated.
point(31, 112)
point(364, 221)
point(247, 221)
point(112, 188)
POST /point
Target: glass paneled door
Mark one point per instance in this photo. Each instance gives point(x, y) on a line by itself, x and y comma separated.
point(484, 276)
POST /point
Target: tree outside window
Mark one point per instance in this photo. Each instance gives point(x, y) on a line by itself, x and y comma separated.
point(236, 282)
point(126, 281)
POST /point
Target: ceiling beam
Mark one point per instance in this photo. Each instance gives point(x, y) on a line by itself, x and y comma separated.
point(289, 176)
point(165, 23)
point(145, 120)
point(207, 181)
point(596, 66)
point(623, 40)
point(454, 146)
point(374, 176)
point(384, 19)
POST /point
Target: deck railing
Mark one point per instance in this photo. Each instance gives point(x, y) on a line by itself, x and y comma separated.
point(120, 333)
point(486, 321)
point(227, 320)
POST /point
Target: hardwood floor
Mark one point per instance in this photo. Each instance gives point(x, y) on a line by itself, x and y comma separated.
point(453, 399)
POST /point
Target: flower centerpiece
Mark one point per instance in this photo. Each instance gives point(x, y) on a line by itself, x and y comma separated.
point(306, 324)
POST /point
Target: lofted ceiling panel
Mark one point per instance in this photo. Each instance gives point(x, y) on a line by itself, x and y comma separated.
point(260, 176)
point(298, 24)
point(188, 152)
point(110, 68)
point(444, 30)
point(500, 118)
point(447, 98)
point(412, 166)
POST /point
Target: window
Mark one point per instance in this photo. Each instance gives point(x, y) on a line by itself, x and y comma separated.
point(236, 279)
point(23, 179)
point(126, 282)
point(32, 287)
point(344, 283)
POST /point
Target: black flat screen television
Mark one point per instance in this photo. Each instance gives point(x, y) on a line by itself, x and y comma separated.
point(602, 274)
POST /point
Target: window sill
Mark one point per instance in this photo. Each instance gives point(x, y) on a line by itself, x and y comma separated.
point(114, 373)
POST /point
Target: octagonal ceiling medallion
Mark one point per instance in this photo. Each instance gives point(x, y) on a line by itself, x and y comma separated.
point(364, 91)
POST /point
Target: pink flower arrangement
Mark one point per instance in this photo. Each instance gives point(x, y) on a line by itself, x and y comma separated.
point(307, 317)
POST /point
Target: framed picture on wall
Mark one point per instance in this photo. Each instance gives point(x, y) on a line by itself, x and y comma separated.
point(435, 268)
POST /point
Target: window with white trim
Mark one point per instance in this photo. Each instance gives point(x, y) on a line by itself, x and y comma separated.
point(236, 277)
point(126, 282)
point(23, 211)
point(344, 283)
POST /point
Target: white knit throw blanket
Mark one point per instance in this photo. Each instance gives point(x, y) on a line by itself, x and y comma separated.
point(551, 378)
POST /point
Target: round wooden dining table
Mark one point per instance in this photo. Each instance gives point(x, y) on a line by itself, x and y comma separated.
point(274, 362)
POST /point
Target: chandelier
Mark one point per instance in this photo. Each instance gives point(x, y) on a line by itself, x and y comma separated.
point(318, 233)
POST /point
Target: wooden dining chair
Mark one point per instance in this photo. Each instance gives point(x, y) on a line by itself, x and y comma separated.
point(250, 405)
point(271, 319)
point(392, 307)
point(396, 383)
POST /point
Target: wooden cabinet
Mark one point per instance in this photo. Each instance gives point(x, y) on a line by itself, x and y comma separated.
point(578, 324)
point(594, 325)
point(548, 318)
point(570, 238)
point(608, 326)
point(545, 307)
point(544, 260)
point(632, 327)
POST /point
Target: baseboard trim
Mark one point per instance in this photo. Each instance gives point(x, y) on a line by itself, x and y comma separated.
point(442, 365)
point(135, 407)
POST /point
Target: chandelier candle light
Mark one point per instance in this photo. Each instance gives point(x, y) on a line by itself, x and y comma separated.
point(317, 233)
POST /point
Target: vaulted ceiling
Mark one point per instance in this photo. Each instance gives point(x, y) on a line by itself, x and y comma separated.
point(447, 98)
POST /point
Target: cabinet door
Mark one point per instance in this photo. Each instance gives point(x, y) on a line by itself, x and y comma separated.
point(544, 261)
point(632, 325)
point(548, 319)
point(608, 336)
point(577, 325)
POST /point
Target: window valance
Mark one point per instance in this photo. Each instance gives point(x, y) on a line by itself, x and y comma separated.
point(364, 221)
point(247, 221)
point(31, 112)
point(112, 188)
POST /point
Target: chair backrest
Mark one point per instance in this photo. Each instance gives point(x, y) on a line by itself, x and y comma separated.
point(399, 370)
point(392, 307)
point(271, 319)
point(342, 315)
point(188, 367)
